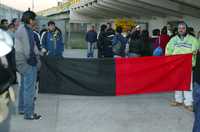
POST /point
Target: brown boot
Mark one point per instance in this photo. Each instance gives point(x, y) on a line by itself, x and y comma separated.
point(175, 104)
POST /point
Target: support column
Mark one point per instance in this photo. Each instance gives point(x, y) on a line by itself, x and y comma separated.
point(69, 36)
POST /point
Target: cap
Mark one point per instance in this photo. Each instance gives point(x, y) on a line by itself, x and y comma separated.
point(138, 26)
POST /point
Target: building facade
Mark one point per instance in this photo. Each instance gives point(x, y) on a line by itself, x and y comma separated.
point(9, 13)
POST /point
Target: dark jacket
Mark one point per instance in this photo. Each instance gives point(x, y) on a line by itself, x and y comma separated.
point(43, 31)
point(100, 44)
point(196, 74)
point(104, 44)
point(37, 40)
point(22, 50)
point(136, 46)
point(91, 36)
point(110, 31)
point(53, 43)
point(147, 49)
point(107, 45)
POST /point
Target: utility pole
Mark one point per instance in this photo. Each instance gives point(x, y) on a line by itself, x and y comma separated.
point(1, 8)
point(33, 5)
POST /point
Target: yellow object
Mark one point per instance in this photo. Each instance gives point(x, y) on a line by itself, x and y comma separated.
point(72, 2)
point(126, 24)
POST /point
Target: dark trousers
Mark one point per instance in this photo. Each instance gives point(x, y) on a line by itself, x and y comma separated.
point(12, 65)
point(196, 97)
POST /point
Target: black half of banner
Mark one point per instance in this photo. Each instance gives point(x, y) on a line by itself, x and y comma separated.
point(91, 77)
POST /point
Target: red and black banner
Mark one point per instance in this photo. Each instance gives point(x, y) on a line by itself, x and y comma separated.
point(115, 77)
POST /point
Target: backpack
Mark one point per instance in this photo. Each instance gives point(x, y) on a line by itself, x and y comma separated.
point(158, 51)
point(118, 47)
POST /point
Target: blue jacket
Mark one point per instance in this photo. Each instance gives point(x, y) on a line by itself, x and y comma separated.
point(37, 40)
point(53, 43)
point(119, 37)
point(123, 41)
point(91, 36)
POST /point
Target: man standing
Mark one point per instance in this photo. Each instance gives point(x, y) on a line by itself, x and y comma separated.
point(91, 39)
point(27, 61)
point(109, 29)
point(119, 43)
point(183, 43)
point(100, 41)
point(138, 28)
point(52, 41)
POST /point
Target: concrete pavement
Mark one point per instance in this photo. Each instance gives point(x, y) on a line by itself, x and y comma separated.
point(138, 113)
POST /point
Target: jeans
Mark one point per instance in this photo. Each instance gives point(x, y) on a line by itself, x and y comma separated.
point(27, 92)
point(90, 51)
point(196, 97)
point(133, 55)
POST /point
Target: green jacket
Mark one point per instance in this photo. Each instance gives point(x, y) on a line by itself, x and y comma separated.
point(188, 44)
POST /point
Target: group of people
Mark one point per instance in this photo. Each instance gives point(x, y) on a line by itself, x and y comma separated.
point(137, 43)
point(29, 44)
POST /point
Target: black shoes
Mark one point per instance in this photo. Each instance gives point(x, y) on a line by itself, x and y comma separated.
point(34, 117)
point(21, 113)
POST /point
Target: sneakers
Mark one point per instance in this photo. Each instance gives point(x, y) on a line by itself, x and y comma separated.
point(189, 108)
point(33, 117)
point(176, 104)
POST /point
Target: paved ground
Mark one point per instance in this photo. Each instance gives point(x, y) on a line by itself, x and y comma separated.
point(138, 113)
point(77, 53)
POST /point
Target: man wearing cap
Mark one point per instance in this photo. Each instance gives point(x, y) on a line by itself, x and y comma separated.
point(138, 28)
point(183, 43)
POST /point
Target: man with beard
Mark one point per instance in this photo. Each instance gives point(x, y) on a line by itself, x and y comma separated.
point(183, 43)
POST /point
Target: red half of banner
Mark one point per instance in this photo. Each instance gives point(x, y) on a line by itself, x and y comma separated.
point(153, 74)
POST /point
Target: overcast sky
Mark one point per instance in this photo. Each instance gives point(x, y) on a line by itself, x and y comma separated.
point(25, 4)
